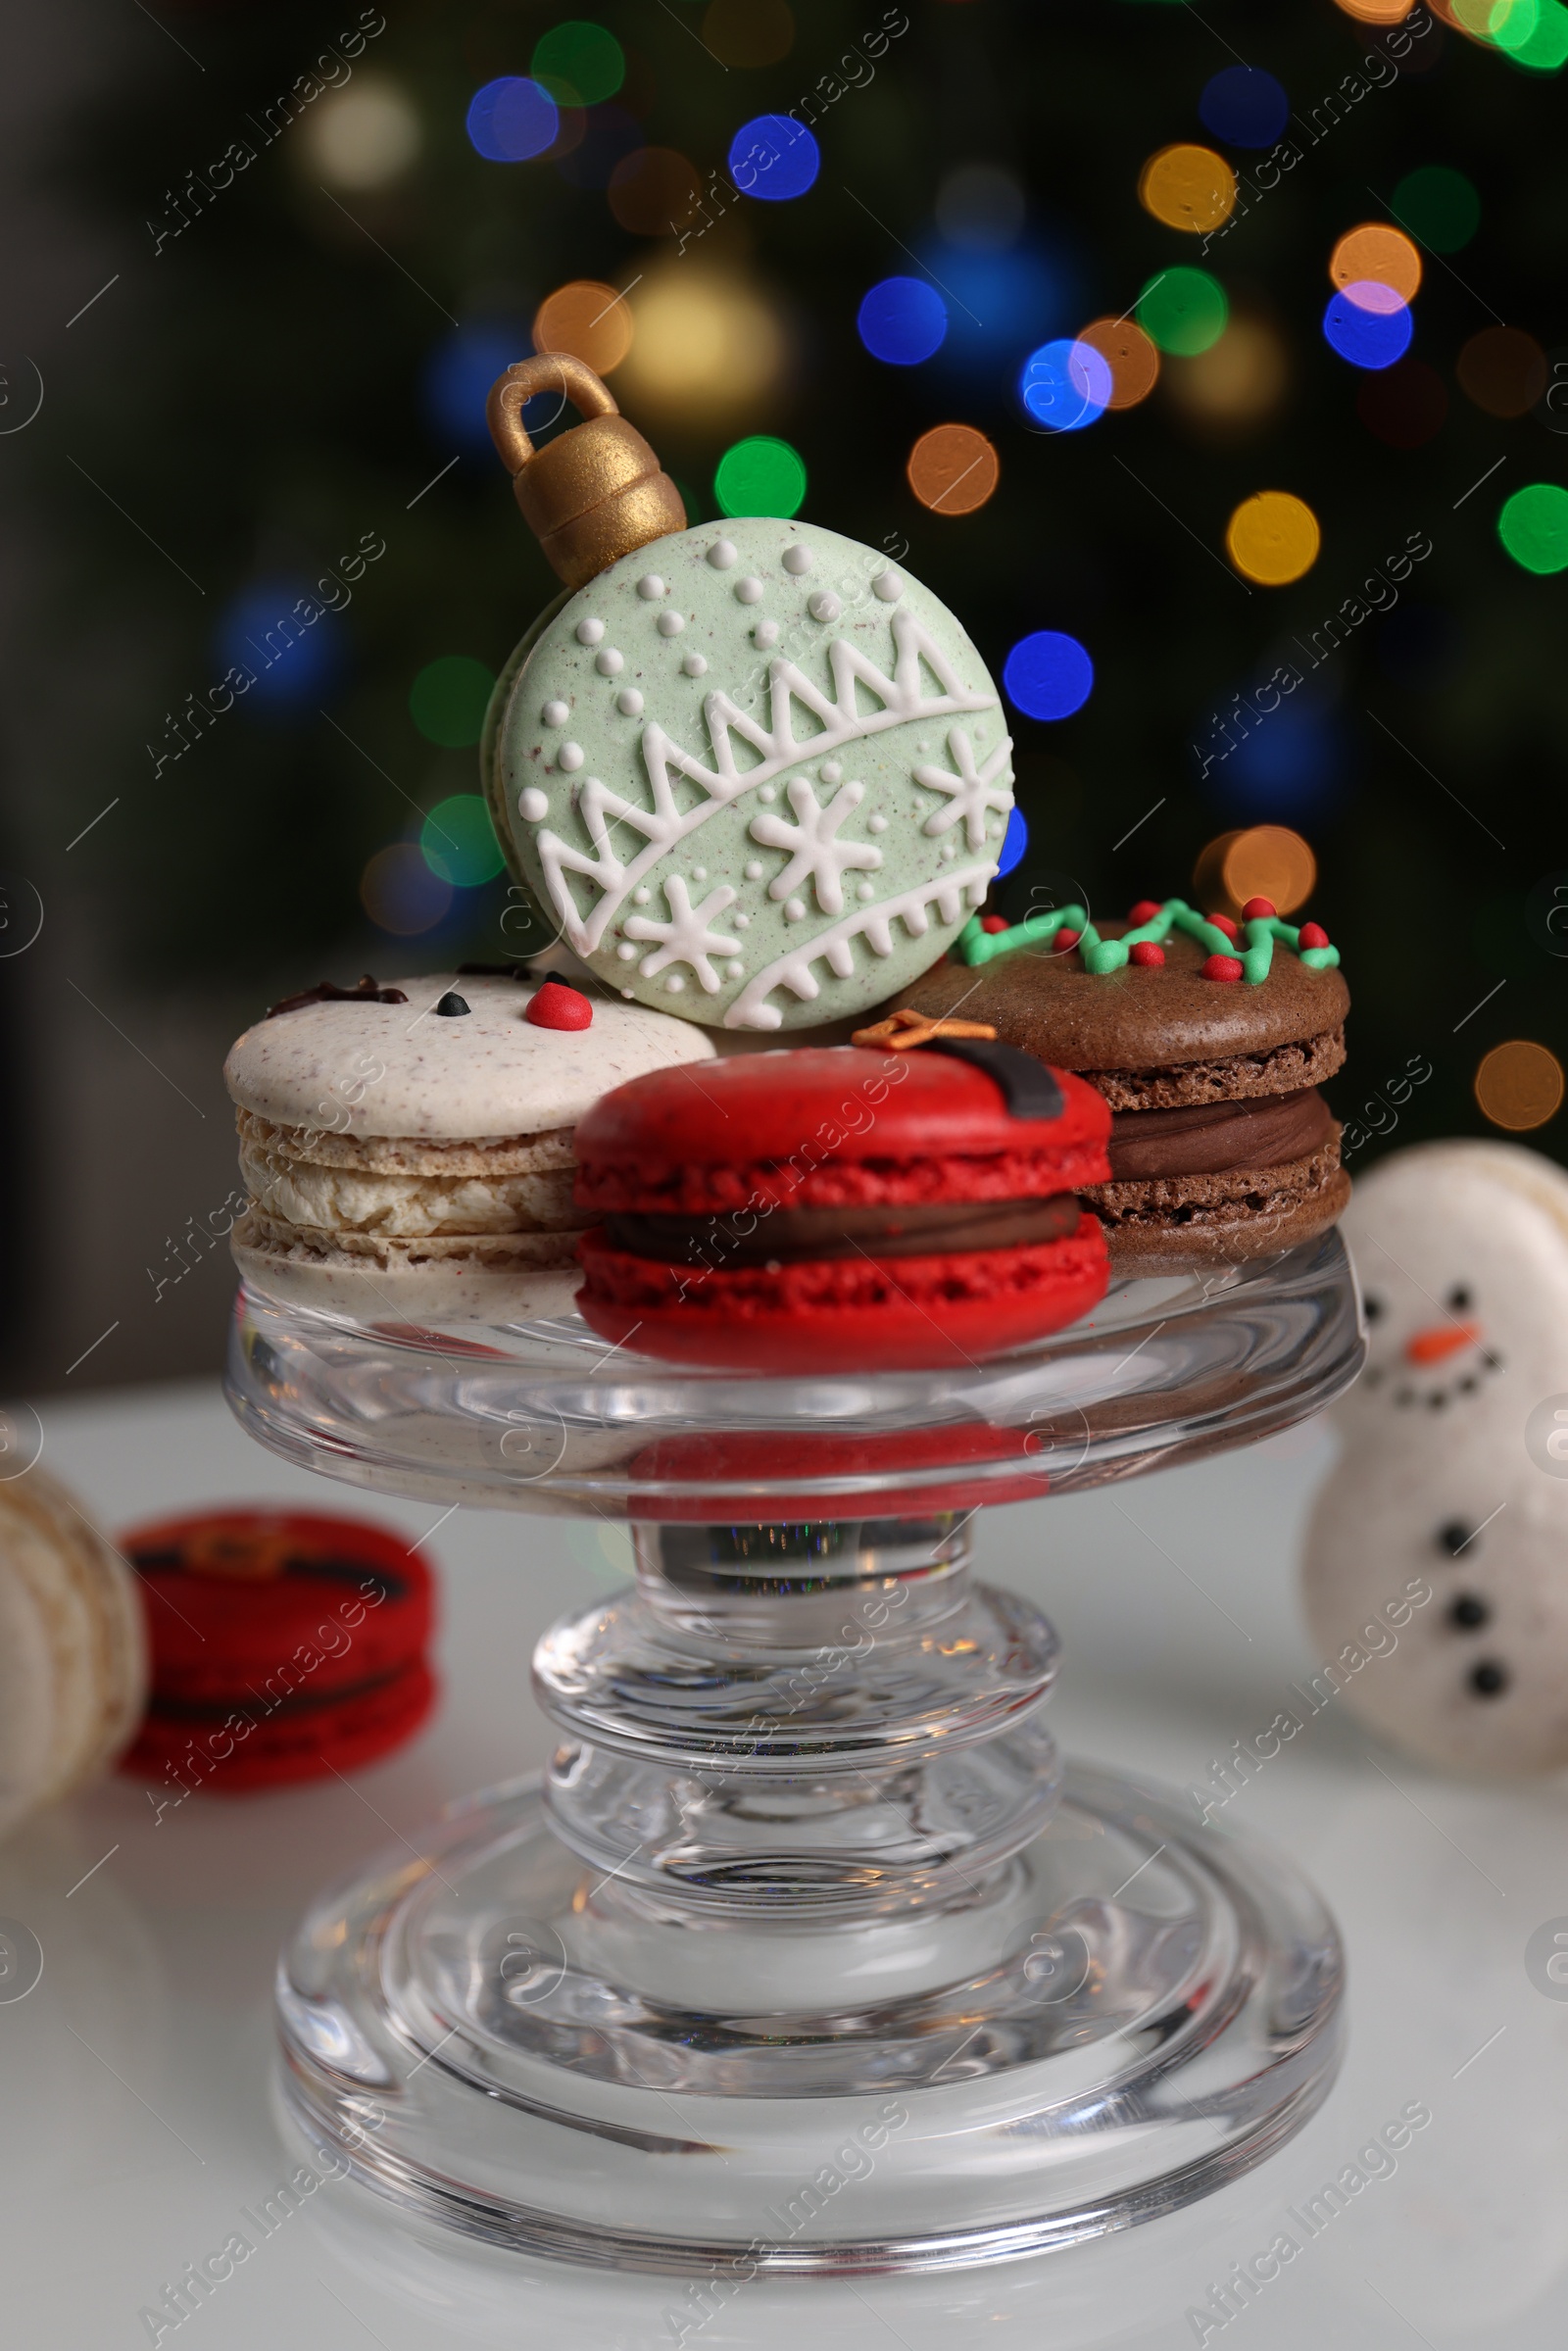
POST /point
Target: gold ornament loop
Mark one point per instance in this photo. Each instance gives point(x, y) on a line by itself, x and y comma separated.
point(548, 371)
point(594, 493)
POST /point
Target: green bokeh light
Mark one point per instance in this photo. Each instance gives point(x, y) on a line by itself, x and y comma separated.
point(1438, 206)
point(1183, 311)
point(460, 841)
point(760, 476)
point(579, 62)
point(448, 699)
point(1546, 51)
point(1533, 526)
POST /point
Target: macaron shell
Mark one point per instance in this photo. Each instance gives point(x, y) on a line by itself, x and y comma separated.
point(709, 768)
point(406, 1281)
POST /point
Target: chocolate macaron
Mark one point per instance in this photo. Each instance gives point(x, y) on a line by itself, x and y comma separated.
point(1208, 1038)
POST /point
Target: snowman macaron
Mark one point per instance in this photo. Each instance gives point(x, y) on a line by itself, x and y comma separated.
point(1449, 1479)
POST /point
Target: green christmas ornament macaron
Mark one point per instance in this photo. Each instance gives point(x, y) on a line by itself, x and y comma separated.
point(753, 772)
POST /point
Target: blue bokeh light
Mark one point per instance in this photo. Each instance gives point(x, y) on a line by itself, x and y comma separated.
point(1000, 304)
point(1245, 107)
point(774, 158)
point(292, 659)
point(457, 377)
point(1047, 675)
point(1014, 842)
point(1065, 385)
point(1369, 326)
point(511, 120)
point(903, 320)
point(1293, 764)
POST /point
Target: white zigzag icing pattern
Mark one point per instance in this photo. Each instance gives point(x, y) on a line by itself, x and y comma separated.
point(751, 1008)
point(665, 823)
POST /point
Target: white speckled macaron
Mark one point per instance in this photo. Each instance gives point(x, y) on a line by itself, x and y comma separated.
point(411, 1160)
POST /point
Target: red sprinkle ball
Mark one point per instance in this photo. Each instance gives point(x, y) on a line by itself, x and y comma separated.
point(559, 1008)
point(1145, 953)
point(1258, 910)
point(1145, 911)
point(1222, 967)
point(1312, 934)
point(1223, 923)
point(993, 923)
point(1065, 941)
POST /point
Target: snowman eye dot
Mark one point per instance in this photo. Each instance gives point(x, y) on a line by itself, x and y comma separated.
point(1453, 1535)
point(1487, 1680)
point(1469, 1612)
point(1372, 1306)
point(1459, 1300)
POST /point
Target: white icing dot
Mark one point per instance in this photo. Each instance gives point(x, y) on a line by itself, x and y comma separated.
point(627, 951)
point(650, 586)
point(721, 554)
point(589, 633)
point(698, 873)
point(609, 663)
point(534, 803)
point(630, 993)
point(922, 747)
point(824, 604)
point(832, 770)
point(629, 703)
point(888, 586)
point(877, 823)
point(735, 970)
point(555, 713)
point(749, 590)
point(794, 908)
point(946, 852)
point(742, 923)
point(754, 870)
point(866, 890)
point(765, 633)
point(570, 756)
point(769, 792)
point(693, 665)
point(797, 558)
point(674, 983)
point(641, 894)
point(670, 624)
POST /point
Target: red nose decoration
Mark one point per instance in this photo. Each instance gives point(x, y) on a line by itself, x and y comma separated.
point(559, 1008)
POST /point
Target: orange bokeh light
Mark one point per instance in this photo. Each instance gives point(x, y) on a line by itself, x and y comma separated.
point(1262, 860)
point(1188, 187)
point(1519, 1085)
point(590, 321)
point(654, 192)
point(1133, 359)
point(952, 469)
point(1504, 370)
point(1376, 255)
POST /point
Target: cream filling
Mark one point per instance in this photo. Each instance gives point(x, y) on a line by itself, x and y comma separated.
point(294, 1191)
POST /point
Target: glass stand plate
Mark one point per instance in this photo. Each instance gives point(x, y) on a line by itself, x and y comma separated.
point(805, 1954)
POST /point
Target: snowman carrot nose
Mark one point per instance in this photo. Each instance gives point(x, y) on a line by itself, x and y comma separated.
point(1431, 1347)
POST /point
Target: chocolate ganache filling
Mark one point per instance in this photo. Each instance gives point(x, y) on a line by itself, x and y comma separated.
point(784, 1236)
point(1211, 1138)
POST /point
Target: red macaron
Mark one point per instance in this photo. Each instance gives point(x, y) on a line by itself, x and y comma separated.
point(285, 1646)
point(842, 1208)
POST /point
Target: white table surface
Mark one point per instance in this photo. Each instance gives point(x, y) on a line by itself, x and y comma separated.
point(133, 2078)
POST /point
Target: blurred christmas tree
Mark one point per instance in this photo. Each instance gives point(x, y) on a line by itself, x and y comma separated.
point(1046, 293)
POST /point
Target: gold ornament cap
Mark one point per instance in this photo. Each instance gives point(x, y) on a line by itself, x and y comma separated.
point(596, 492)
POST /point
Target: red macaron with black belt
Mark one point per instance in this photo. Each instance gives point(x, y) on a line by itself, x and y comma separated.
point(902, 1202)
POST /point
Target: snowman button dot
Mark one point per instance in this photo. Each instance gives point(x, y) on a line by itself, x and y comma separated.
point(1452, 1536)
point(1488, 1679)
point(1468, 1612)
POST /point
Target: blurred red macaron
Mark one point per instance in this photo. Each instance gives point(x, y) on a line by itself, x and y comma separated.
point(285, 1646)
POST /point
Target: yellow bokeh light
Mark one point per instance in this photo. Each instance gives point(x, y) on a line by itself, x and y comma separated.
point(1376, 255)
point(708, 343)
point(1133, 359)
point(1273, 538)
point(1188, 187)
point(1519, 1086)
point(590, 321)
point(1262, 860)
point(1238, 380)
point(1378, 11)
point(362, 137)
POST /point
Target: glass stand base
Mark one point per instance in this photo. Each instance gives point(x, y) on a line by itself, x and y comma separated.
point(1129, 2012)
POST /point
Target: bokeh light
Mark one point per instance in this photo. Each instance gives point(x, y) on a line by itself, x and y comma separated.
point(707, 345)
point(1183, 311)
point(1504, 370)
point(579, 63)
point(511, 120)
point(1376, 255)
point(1245, 107)
point(1000, 304)
point(400, 893)
point(591, 322)
point(458, 841)
point(1273, 538)
point(953, 469)
point(1190, 188)
point(980, 208)
point(364, 136)
point(457, 377)
point(1047, 675)
point(760, 475)
point(1534, 527)
point(749, 32)
point(903, 320)
point(1259, 860)
point(1238, 380)
point(1368, 325)
point(293, 659)
point(448, 700)
point(1405, 405)
point(1544, 48)
point(1438, 205)
point(1065, 385)
point(1128, 353)
point(775, 159)
point(654, 191)
point(1519, 1086)
point(1378, 11)
point(1014, 843)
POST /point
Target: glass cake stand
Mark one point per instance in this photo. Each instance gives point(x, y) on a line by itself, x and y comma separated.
point(805, 1954)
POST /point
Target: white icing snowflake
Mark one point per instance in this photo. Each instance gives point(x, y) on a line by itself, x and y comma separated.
point(973, 791)
point(813, 841)
point(689, 937)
